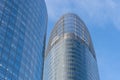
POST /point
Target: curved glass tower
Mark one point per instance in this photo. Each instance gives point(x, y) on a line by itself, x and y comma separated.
point(70, 54)
point(22, 38)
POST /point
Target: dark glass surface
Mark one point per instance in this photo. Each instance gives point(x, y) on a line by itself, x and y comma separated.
point(22, 38)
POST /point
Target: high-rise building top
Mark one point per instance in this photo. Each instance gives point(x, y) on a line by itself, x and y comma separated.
point(22, 39)
point(73, 25)
point(70, 54)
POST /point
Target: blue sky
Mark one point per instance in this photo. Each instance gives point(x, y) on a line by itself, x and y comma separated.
point(102, 17)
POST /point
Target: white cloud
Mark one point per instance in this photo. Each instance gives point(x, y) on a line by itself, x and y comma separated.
point(97, 12)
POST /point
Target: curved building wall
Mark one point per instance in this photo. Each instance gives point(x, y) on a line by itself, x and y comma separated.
point(70, 54)
point(22, 39)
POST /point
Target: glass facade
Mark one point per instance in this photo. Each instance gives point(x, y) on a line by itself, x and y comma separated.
point(22, 38)
point(70, 54)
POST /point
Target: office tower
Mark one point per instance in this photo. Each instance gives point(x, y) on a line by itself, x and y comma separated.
point(22, 38)
point(70, 54)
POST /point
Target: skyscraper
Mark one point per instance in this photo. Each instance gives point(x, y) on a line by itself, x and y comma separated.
point(70, 54)
point(22, 38)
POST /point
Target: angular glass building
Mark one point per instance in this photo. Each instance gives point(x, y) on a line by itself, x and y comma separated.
point(70, 54)
point(22, 39)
